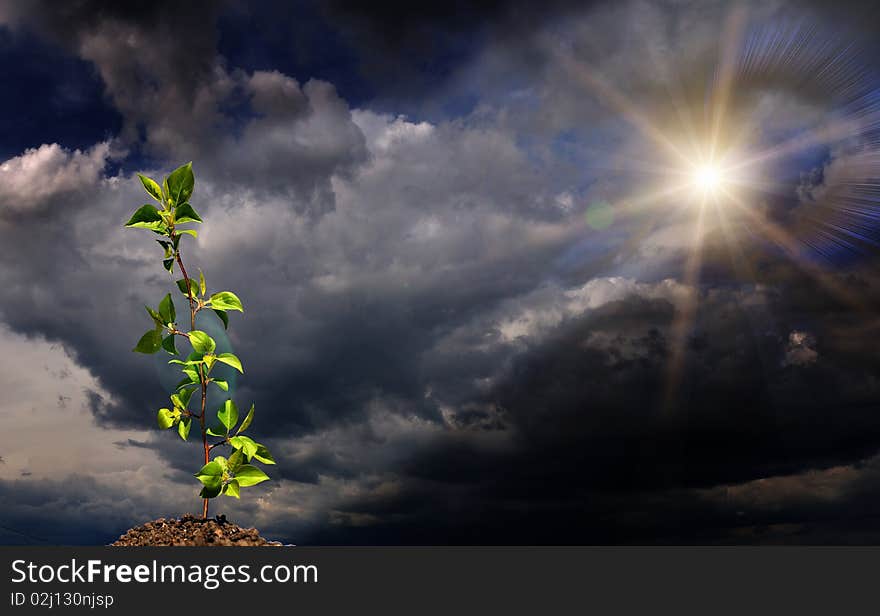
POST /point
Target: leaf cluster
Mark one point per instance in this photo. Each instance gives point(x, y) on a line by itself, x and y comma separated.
point(166, 218)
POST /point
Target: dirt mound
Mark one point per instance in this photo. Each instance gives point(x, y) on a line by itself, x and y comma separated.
point(190, 530)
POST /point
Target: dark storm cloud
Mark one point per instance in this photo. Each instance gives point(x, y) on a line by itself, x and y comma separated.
point(418, 47)
point(178, 40)
point(161, 70)
point(79, 509)
point(593, 455)
point(152, 57)
point(381, 54)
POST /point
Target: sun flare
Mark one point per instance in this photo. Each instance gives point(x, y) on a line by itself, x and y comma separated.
point(708, 178)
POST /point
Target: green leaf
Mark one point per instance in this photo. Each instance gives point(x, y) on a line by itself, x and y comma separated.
point(216, 431)
point(193, 287)
point(202, 286)
point(210, 491)
point(246, 444)
point(226, 300)
point(189, 362)
point(235, 461)
point(166, 309)
point(168, 344)
point(152, 187)
point(223, 317)
point(180, 184)
point(228, 414)
point(191, 232)
point(192, 373)
point(247, 421)
point(184, 383)
point(231, 489)
point(167, 247)
point(262, 454)
point(210, 471)
point(183, 427)
point(186, 213)
point(168, 264)
point(221, 384)
point(149, 342)
point(165, 418)
point(146, 217)
point(248, 475)
point(230, 360)
point(222, 462)
point(184, 397)
point(201, 342)
point(155, 316)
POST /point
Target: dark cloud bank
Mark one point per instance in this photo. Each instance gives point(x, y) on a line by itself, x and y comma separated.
point(428, 364)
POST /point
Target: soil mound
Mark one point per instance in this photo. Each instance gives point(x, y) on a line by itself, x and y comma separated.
point(190, 530)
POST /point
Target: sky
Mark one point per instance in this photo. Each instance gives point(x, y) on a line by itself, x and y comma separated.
point(490, 297)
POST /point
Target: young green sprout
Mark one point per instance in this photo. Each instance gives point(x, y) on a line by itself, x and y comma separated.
point(220, 475)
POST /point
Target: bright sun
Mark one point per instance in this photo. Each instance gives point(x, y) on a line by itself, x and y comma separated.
point(708, 178)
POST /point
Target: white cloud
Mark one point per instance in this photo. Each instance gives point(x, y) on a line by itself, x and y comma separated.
point(50, 430)
point(50, 170)
point(384, 132)
point(546, 309)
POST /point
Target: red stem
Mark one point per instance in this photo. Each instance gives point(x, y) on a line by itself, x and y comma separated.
point(202, 377)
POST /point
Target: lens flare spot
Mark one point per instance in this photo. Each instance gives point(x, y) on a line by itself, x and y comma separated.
point(600, 215)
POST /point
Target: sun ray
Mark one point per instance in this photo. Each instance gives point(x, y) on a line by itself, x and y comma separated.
point(788, 244)
point(618, 102)
point(730, 45)
point(685, 312)
point(829, 132)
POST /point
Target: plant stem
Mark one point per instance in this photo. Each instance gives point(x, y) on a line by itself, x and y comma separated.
point(202, 376)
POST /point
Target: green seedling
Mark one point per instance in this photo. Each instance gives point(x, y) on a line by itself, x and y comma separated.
point(220, 475)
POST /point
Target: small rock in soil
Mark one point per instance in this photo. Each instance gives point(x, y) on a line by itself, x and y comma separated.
point(190, 530)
